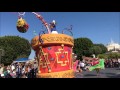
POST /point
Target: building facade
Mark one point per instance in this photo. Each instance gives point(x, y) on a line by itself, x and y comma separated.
point(112, 46)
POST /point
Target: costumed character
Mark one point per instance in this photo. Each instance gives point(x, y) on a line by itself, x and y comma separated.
point(22, 25)
point(53, 27)
point(97, 65)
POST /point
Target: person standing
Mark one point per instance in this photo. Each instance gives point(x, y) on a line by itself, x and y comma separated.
point(19, 71)
point(78, 67)
point(119, 62)
point(35, 69)
point(82, 65)
point(53, 27)
point(75, 65)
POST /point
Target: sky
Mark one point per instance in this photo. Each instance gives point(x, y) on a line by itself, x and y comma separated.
point(99, 27)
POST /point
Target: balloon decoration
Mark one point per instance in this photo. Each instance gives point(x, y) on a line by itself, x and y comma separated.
point(22, 25)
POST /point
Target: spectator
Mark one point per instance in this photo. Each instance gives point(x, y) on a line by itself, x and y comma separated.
point(35, 69)
point(82, 65)
point(19, 71)
point(12, 67)
point(119, 62)
point(78, 67)
point(2, 76)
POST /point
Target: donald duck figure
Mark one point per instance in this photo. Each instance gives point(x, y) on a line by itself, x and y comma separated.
point(53, 27)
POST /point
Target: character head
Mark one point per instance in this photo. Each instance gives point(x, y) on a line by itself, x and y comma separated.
point(53, 22)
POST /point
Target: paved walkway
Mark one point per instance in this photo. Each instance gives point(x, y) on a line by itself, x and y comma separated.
point(106, 73)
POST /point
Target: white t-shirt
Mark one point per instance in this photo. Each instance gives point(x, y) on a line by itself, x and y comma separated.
point(12, 67)
point(29, 69)
point(1, 70)
point(82, 64)
point(35, 66)
point(118, 60)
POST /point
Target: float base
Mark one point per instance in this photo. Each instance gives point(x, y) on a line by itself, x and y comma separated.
point(62, 74)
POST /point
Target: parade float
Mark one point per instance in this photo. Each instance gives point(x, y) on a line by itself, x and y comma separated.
point(53, 50)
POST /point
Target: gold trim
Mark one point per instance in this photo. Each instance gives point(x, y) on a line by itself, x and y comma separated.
point(62, 74)
point(44, 63)
point(52, 39)
point(63, 63)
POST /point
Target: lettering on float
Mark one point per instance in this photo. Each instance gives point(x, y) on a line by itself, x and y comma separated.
point(52, 39)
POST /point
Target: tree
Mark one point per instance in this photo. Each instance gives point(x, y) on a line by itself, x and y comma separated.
point(81, 47)
point(103, 56)
point(95, 50)
point(103, 48)
point(14, 47)
point(112, 55)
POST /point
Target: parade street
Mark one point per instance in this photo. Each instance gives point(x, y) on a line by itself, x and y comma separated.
point(106, 73)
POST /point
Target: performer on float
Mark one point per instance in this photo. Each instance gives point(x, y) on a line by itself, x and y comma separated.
point(53, 27)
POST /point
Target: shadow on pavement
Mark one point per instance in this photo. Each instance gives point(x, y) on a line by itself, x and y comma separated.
point(118, 69)
point(90, 75)
point(115, 76)
point(107, 73)
point(110, 73)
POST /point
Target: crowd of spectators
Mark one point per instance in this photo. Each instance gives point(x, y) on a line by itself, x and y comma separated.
point(112, 63)
point(19, 70)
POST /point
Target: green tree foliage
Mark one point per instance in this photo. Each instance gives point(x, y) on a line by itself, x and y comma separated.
point(95, 50)
point(14, 47)
point(81, 47)
point(103, 48)
point(110, 55)
point(113, 55)
point(98, 49)
point(103, 56)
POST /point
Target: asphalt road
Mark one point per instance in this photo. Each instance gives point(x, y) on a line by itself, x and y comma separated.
point(106, 73)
